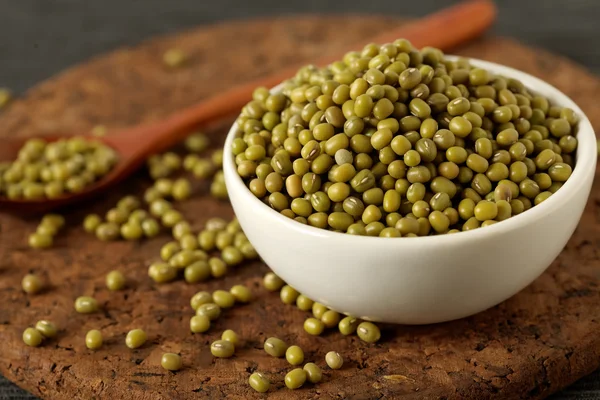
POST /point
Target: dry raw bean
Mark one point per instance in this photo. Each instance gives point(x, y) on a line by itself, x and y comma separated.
point(366, 143)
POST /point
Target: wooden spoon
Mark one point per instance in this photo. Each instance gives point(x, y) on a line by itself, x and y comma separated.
point(445, 29)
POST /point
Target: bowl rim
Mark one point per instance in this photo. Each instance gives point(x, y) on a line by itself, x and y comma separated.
point(583, 171)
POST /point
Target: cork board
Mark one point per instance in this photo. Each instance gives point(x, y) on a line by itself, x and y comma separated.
point(530, 346)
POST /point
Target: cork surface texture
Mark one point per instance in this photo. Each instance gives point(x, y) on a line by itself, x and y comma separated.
point(530, 346)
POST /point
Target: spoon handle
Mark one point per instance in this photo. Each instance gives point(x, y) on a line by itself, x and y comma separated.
point(444, 29)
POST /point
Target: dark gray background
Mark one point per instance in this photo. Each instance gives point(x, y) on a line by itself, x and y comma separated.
point(39, 38)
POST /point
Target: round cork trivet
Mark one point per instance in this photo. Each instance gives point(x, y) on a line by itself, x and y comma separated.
point(534, 344)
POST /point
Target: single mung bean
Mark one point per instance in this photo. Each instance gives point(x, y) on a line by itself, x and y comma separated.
point(91, 222)
point(46, 328)
point(294, 355)
point(93, 339)
point(259, 382)
point(135, 338)
point(115, 280)
point(171, 217)
point(169, 250)
point(560, 172)
point(210, 310)
point(304, 303)
point(334, 360)
point(313, 372)
point(241, 293)
point(128, 204)
point(222, 349)
point(131, 231)
point(230, 336)
point(485, 210)
point(200, 298)
point(181, 189)
point(368, 332)
point(223, 299)
point(86, 305)
point(199, 324)
point(314, 326)
point(171, 361)
point(161, 272)
point(232, 255)
point(32, 284)
point(198, 271)
point(288, 294)
point(275, 347)
point(137, 216)
point(183, 258)
point(159, 207)
point(32, 337)
point(348, 325)
point(330, 318)
point(272, 282)
point(295, 378)
point(207, 240)
point(40, 240)
point(117, 216)
point(188, 242)
point(248, 251)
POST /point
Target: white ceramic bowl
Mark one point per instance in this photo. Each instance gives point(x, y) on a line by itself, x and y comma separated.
point(425, 279)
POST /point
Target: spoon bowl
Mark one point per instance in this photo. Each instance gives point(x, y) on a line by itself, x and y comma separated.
point(9, 151)
point(427, 279)
point(133, 146)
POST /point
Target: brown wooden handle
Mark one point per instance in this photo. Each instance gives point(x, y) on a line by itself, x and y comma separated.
point(444, 29)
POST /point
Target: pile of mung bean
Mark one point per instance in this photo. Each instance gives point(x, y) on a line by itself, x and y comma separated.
point(51, 169)
point(294, 355)
point(208, 307)
point(43, 330)
point(323, 318)
point(46, 230)
point(127, 220)
point(191, 253)
point(130, 221)
point(393, 141)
